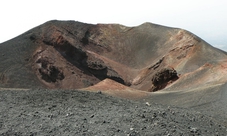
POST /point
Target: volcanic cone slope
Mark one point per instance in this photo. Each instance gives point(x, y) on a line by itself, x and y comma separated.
point(73, 55)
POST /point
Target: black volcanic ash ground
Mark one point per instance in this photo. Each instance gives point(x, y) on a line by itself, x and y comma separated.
point(58, 112)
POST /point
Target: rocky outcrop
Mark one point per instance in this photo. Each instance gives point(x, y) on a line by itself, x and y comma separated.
point(162, 78)
point(49, 72)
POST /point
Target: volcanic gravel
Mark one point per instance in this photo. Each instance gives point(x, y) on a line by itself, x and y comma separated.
point(70, 112)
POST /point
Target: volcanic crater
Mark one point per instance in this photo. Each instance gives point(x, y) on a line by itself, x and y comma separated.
point(75, 55)
point(149, 63)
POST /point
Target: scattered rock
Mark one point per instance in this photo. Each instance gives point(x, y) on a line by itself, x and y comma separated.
point(147, 103)
point(99, 92)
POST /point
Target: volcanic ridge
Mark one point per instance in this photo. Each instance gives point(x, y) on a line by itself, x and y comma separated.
point(74, 55)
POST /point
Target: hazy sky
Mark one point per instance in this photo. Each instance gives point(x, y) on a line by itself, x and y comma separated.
point(205, 18)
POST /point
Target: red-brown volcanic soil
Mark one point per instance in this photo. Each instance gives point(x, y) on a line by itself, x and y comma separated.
point(149, 63)
point(116, 89)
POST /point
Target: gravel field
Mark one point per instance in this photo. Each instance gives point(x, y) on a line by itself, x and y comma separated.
point(70, 112)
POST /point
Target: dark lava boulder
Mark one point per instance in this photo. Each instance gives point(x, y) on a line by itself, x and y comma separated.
point(162, 78)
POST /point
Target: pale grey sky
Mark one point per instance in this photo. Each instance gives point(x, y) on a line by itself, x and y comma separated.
point(205, 18)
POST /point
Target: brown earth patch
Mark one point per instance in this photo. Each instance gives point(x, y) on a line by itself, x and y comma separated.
point(114, 88)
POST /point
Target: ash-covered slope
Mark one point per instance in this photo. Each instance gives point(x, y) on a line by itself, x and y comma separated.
point(74, 55)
